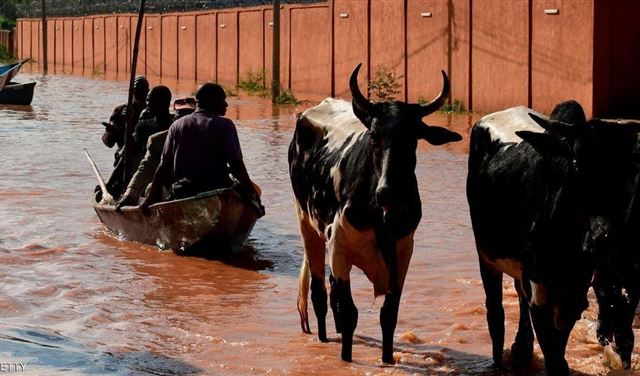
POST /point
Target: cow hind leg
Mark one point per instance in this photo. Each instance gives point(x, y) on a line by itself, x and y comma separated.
point(522, 348)
point(492, 283)
point(303, 293)
point(314, 264)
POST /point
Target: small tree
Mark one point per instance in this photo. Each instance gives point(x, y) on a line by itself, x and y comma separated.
point(385, 84)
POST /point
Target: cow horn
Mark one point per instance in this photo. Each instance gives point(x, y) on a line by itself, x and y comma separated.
point(628, 124)
point(438, 101)
point(359, 101)
point(553, 126)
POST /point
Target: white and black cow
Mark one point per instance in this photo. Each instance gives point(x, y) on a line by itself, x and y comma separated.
point(352, 171)
point(543, 196)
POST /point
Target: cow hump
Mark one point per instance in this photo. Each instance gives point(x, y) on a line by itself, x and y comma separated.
point(503, 125)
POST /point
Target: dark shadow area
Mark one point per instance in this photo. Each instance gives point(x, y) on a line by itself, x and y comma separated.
point(247, 258)
point(52, 353)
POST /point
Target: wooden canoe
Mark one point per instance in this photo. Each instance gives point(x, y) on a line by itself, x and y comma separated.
point(221, 220)
point(16, 93)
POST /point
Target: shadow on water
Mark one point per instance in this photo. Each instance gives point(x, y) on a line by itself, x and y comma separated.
point(437, 360)
point(51, 353)
point(247, 258)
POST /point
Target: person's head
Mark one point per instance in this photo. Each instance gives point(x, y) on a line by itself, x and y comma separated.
point(158, 100)
point(184, 106)
point(140, 89)
point(212, 97)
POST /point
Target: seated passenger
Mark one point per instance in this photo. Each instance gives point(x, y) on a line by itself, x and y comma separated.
point(149, 163)
point(155, 117)
point(114, 129)
point(201, 150)
point(184, 106)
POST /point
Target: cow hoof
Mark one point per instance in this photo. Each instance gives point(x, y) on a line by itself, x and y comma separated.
point(346, 357)
point(323, 338)
point(521, 354)
point(560, 368)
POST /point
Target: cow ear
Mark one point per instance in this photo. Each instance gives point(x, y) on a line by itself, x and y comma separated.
point(544, 143)
point(438, 135)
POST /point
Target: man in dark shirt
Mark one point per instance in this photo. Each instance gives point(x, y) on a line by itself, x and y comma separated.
point(114, 129)
point(202, 149)
point(155, 117)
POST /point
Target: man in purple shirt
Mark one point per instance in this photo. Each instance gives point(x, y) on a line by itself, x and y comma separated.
point(202, 149)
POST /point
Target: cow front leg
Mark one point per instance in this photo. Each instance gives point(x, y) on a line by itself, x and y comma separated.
point(333, 300)
point(522, 348)
point(388, 321)
point(492, 283)
point(341, 288)
point(553, 341)
point(389, 311)
point(348, 314)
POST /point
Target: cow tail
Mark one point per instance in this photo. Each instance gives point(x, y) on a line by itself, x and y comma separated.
point(303, 295)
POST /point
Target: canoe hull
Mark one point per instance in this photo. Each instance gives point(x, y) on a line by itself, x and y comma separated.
point(219, 219)
point(15, 93)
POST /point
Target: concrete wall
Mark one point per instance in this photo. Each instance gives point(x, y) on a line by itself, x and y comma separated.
point(497, 53)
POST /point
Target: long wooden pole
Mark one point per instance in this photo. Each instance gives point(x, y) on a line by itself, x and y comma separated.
point(275, 66)
point(45, 43)
point(128, 133)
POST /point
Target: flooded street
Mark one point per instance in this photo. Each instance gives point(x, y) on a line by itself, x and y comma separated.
point(76, 300)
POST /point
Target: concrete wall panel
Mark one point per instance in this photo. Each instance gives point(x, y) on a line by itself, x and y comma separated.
point(153, 45)
point(350, 44)
point(25, 43)
point(78, 45)
point(59, 37)
point(99, 45)
point(311, 52)
point(427, 48)
point(169, 46)
point(251, 40)
point(268, 42)
point(124, 44)
point(111, 44)
point(87, 46)
point(206, 51)
point(562, 53)
point(133, 24)
point(187, 47)
point(36, 47)
point(67, 26)
point(19, 38)
point(387, 39)
point(227, 48)
point(500, 71)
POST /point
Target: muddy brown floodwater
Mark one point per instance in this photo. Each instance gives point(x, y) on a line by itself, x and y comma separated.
point(76, 300)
